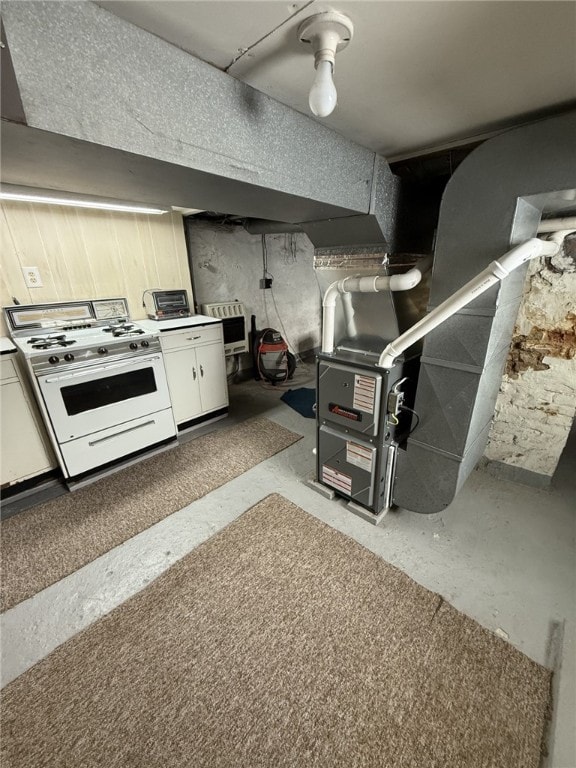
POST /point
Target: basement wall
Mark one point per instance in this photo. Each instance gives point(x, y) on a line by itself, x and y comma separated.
point(227, 264)
point(536, 404)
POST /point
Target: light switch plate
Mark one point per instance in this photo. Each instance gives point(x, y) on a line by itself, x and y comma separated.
point(32, 277)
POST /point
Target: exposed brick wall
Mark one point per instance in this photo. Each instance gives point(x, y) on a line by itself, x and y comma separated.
point(537, 401)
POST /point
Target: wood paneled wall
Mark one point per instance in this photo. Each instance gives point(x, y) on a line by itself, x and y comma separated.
point(89, 254)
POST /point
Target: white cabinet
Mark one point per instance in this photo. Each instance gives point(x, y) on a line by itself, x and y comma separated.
point(196, 371)
point(182, 374)
point(25, 448)
point(213, 383)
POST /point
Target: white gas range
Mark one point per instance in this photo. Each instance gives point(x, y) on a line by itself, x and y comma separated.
point(99, 380)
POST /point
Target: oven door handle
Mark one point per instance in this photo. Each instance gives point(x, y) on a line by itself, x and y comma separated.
point(100, 369)
point(92, 443)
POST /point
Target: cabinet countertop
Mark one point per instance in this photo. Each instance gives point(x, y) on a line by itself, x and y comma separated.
point(7, 346)
point(178, 323)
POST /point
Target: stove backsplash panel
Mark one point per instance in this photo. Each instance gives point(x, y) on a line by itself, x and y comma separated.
point(89, 254)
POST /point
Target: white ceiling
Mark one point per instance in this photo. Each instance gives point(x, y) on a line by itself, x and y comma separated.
point(418, 75)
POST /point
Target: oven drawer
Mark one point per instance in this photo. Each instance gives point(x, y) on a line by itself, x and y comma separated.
point(91, 451)
point(191, 337)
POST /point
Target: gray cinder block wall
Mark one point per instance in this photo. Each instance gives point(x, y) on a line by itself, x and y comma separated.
point(227, 264)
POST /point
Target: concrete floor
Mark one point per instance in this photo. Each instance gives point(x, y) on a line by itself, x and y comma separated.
point(502, 553)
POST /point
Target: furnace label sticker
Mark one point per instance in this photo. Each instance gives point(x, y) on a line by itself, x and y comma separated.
point(346, 413)
point(336, 479)
point(359, 456)
point(364, 393)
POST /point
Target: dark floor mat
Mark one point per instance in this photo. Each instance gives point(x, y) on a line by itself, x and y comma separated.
point(302, 400)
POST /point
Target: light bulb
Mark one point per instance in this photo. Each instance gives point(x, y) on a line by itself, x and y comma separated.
point(323, 96)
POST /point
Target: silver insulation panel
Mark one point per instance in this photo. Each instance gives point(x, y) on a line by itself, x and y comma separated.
point(96, 80)
point(494, 200)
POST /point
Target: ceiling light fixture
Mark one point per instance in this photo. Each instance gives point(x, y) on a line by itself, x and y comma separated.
point(78, 203)
point(327, 33)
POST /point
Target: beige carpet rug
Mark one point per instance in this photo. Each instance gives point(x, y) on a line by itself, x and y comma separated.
point(279, 643)
point(50, 541)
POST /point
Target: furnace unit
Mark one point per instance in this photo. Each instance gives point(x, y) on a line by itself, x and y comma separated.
point(366, 383)
point(361, 419)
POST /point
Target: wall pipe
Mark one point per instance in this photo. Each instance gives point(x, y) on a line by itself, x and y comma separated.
point(365, 284)
point(558, 235)
point(494, 272)
point(567, 223)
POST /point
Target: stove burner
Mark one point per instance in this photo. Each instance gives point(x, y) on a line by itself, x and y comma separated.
point(120, 325)
point(34, 339)
point(48, 342)
point(128, 331)
point(123, 328)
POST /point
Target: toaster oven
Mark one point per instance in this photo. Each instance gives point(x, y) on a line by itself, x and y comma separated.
point(163, 305)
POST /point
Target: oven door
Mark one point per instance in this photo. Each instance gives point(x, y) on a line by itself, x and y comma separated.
point(92, 399)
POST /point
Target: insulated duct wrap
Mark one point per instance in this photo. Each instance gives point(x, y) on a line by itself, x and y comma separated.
point(494, 200)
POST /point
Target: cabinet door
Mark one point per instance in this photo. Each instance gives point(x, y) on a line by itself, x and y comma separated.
point(23, 452)
point(213, 384)
point(183, 382)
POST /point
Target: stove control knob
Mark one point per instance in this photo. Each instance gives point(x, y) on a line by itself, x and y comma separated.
point(133, 345)
point(68, 357)
point(145, 343)
point(102, 350)
point(53, 359)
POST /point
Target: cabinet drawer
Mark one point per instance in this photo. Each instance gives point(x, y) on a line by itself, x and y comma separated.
point(7, 369)
point(191, 337)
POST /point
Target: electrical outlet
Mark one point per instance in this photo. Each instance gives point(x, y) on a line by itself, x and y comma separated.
point(265, 282)
point(32, 277)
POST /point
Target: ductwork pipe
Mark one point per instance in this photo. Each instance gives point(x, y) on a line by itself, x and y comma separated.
point(496, 271)
point(366, 284)
point(268, 227)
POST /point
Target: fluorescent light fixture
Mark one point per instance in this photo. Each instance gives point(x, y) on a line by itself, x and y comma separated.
point(187, 211)
point(79, 203)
